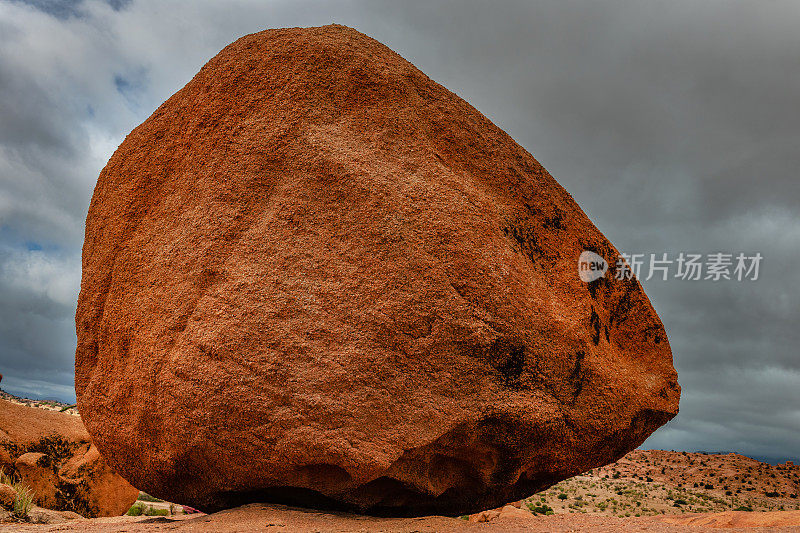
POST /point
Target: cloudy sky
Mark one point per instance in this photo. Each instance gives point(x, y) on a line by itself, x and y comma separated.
point(675, 125)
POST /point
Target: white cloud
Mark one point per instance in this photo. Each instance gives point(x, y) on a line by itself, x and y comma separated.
point(44, 275)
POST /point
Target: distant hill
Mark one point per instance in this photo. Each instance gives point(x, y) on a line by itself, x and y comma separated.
point(51, 405)
point(653, 482)
point(771, 459)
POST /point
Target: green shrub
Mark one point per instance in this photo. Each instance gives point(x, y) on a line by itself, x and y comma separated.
point(136, 510)
point(540, 509)
point(562, 496)
point(151, 511)
point(144, 497)
point(23, 501)
point(744, 508)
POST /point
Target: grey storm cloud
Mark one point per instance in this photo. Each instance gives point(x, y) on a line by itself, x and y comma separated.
point(674, 125)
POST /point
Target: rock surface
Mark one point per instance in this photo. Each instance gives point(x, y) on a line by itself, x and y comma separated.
point(315, 276)
point(740, 519)
point(7, 496)
point(38, 472)
point(52, 454)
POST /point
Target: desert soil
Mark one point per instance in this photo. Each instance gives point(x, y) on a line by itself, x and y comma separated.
point(657, 482)
point(260, 517)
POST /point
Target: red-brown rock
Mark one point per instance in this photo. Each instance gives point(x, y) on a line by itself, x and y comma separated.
point(38, 472)
point(51, 453)
point(316, 276)
point(7, 496)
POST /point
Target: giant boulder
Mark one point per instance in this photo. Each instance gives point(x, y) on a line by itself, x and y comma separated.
point(315, 276)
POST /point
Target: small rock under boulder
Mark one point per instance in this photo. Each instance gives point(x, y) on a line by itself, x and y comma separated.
point(7, 496)
point(315, 276)
point(51, 454)
point(38, 472)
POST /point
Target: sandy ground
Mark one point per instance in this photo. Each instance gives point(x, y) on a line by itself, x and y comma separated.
point(276, 518)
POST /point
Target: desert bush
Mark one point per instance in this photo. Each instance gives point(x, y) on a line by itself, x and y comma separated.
point(57, 447)
point(23, 501)
point(540, 509)
point(136, 509)
point(744, 508)
point(152, 511)
point(144, 497)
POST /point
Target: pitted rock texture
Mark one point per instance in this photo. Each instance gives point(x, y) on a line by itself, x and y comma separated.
point(315, 276)
point(51, 453)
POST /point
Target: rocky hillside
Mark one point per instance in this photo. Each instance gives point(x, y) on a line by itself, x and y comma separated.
point(651, 482)
point(50, 405)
